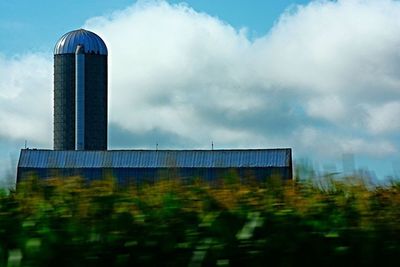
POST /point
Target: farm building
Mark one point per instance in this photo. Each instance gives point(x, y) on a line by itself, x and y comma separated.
point(80, 132)
point(129, 166)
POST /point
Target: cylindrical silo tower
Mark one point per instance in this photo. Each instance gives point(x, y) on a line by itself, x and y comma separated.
point(80, 92)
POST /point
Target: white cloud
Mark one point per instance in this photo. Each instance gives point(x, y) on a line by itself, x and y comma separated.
point(385, 118)
point(169, 64)
point(328, 107)
point(26, 98)
point(336, 46)
point(324, 80)
point(330, 144)
point(194, 75)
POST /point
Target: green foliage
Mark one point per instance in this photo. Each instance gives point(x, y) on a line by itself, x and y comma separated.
point(66, 222)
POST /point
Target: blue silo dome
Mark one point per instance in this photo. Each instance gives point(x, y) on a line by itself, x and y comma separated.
point(91, 42)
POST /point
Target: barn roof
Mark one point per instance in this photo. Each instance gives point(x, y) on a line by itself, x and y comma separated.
point(32, 158)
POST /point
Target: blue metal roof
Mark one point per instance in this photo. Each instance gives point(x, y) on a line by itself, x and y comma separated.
point(32, 158)
point(92, 43)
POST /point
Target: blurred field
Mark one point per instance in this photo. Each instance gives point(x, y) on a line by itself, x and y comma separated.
point(68, 223)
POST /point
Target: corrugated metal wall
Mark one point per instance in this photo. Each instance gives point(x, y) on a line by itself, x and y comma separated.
point(133, 166)
point(155, 159)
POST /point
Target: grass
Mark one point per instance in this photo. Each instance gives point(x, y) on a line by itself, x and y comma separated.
point(65, 222)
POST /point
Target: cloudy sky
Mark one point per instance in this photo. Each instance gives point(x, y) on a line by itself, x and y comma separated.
point(322, 77)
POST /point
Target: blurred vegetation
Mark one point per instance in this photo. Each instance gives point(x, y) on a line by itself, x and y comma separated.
point(66, 222)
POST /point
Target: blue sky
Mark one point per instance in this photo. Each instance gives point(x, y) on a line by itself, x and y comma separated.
point(321, 77)
point(41, 22)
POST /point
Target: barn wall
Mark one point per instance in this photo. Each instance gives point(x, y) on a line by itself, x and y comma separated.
point(135, 175)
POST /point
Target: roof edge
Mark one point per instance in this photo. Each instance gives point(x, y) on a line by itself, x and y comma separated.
point(160, 150)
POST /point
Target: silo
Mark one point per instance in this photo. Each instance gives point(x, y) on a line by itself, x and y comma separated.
point(80, 92)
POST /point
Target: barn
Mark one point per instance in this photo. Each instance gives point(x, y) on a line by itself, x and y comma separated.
point(81, 132)
point(131, 166)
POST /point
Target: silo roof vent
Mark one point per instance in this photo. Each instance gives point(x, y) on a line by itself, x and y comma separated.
point(92, 43)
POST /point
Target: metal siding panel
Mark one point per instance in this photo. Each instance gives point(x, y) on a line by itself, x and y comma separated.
point(79, 159)
point(50, 160)
point(241, 158)
point(98, 160)
point(116, 160)
point(181, 159)
point(54, 160)
point(45, 159)
point(74, 159)
point(127, 159)
point(230, 158)
point(207, 162)
point(41, 160)
point(195, 158)
point(144, 160)
point(57, 159)
point(202, 159)
point(21, 161)
point(124, 159)
point(91, 159)
point(36, 159)
point(251, 159)
point(63, 159)
point(160, 159)
point(106, 159)
point(259, 160)
point(27, 159)
point(164, 161)
point(88, 160)
point(132, 158)
point(68, 161)
point(82, 160)
point(113, 159)
point(147, 159)
point(154, 159)
point(151, 159)
point(138, 160)
point(110, 159)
